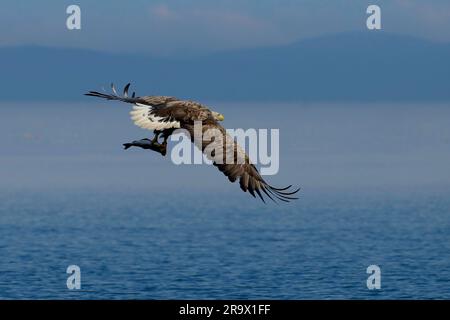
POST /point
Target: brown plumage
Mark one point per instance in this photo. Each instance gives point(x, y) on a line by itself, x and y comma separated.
point(170, 113)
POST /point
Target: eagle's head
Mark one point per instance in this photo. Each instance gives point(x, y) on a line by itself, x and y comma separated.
point(218, 116)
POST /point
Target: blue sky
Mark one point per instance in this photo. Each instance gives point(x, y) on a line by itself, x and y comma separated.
point(191, 27)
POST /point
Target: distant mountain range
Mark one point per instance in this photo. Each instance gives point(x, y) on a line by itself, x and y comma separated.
point(369, 66)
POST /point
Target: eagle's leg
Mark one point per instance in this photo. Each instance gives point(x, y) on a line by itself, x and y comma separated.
point(166, 134)
point(161, 148)
point(155, 138)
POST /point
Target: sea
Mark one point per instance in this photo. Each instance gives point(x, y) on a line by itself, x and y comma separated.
point(375, 191)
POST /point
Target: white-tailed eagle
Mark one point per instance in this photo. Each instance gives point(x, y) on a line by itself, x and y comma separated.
point(164, 115)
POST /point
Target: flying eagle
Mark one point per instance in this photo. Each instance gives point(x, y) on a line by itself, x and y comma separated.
point(164, 115)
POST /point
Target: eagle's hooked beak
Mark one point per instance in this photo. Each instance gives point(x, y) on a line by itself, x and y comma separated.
point(218, 116)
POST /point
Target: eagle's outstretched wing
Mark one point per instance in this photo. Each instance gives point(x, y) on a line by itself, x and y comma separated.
point(157, 112)
point(241, 167)
point(155, 101)
point(163, 112)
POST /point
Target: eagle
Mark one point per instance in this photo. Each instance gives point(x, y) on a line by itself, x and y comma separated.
point(164, 114)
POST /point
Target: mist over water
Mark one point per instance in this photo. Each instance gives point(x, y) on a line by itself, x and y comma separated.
point(375, 189)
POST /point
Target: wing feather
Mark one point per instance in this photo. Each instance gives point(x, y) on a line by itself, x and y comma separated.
point(249, 178)
point(145, 110)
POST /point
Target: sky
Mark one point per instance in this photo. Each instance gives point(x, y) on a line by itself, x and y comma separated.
point(183, 27)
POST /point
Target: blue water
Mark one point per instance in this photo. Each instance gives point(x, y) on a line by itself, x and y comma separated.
point(376, 190)
point(144, 246)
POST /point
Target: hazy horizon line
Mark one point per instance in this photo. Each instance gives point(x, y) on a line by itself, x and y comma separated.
point(221, 51)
